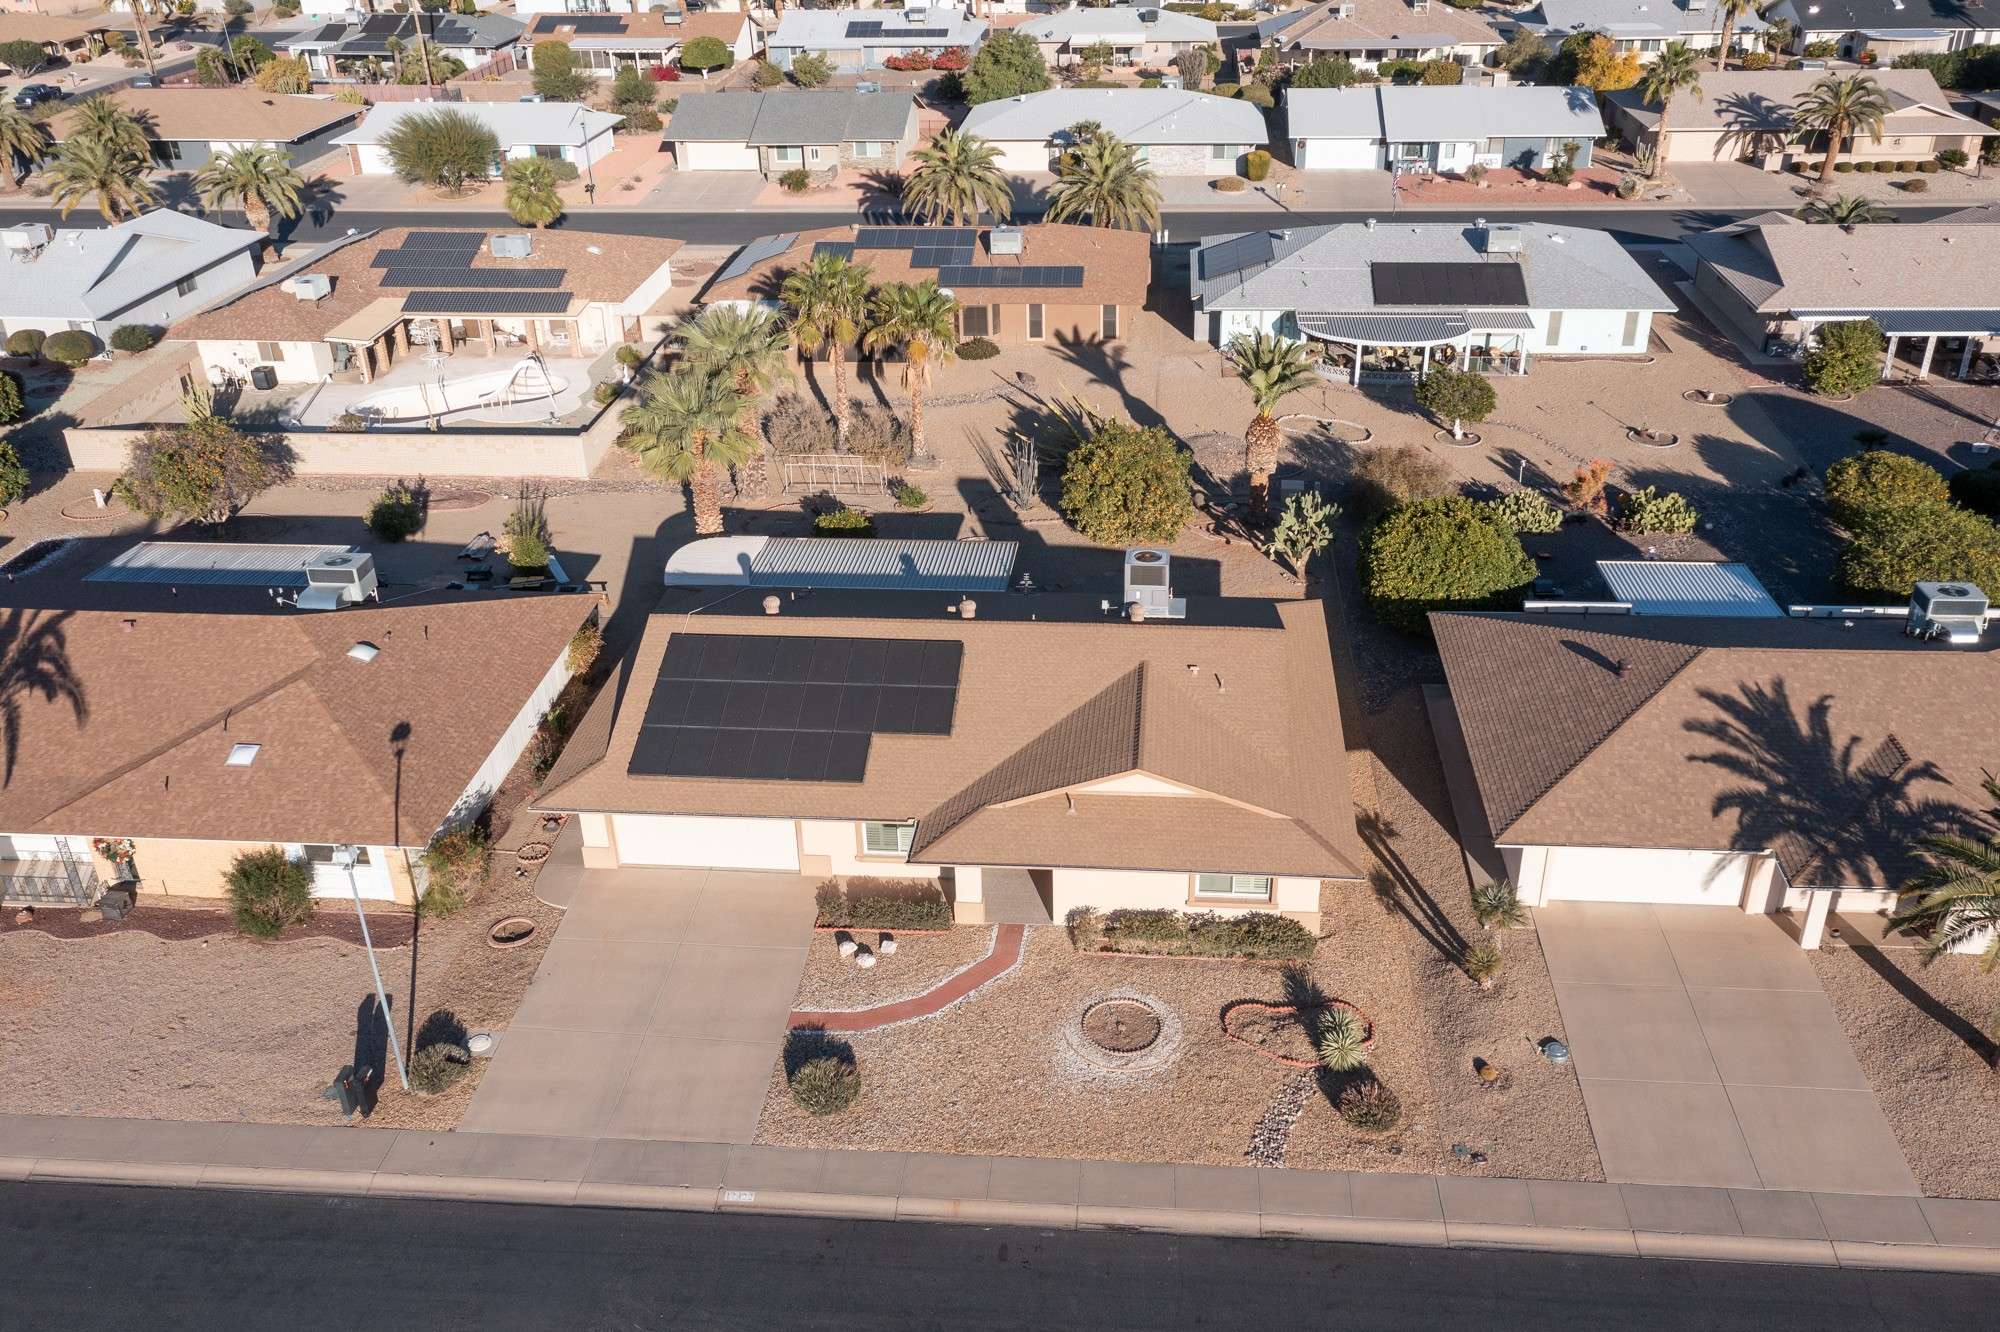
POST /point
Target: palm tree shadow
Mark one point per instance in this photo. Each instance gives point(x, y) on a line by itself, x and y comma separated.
point(1107, 363)
point(1928, 1004)
point(1401, 890)
point(34, 663)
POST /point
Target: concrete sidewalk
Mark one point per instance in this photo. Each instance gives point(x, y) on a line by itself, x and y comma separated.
point(1741, 1225)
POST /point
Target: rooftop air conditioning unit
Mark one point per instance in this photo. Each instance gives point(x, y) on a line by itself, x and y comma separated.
point(1149, 16)
point(1005, 240)
point(512, 245)
point(1954, 612)
point(1148, 586)
point(1173, 83)
point(345, 579)
point(1343, 11)
point(1504, 239)
point(309, 286)
point(27, 237)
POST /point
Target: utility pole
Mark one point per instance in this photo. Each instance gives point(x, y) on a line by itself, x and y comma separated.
point(345, 857)
point(423, 45)
point(145, 37)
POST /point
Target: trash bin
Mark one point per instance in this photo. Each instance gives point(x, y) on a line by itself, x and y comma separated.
point(264, 377)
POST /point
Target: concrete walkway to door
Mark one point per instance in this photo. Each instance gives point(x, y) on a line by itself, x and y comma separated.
point(1709, 1054)
point(658, 1012)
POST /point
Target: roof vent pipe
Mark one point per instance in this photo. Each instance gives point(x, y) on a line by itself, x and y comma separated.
point(772, 605)
point(968, 609)
point(1136, 612)
point(1371, 224)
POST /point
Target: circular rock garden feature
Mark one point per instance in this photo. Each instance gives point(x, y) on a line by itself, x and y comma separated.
point(1464, 440)
point(1709, 397)
point(1652, 439)
point(1125, 1031)
point(533, 853)
point(1285, 1033)
point(511, 932)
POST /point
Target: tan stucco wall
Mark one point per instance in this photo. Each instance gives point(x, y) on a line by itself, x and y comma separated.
point(1110, 890)
point(836, 845)
point(182, 868)
point(1085, 322)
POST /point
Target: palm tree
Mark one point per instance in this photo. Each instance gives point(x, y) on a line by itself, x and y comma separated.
point(257, 179)
point(1273, 368)
point(1732, 12)
point(955, 178)
point(105, 119)
point(1675, 71)
point(1102, 181)
point(22, 142)
point(1841, 106)
point(1956, 897)
point(87, 167)
point(534, 195)
point(1845, 211)
point(828, 300)
point(749, 347)
point(686, 428)
point(917, 317)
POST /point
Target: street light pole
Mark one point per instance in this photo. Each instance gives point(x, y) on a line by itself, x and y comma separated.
point(345, 857)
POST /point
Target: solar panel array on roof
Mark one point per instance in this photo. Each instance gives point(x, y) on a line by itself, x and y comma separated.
point(845, 249)
point(1463, 284)
point(939, 256)
point(593, 24)
point(1233, 256)
point(776, 708)
point(486, 302)
point(496, 279)
point(435, 249)
point(382, 25)
point(330, 33)
point(756, 252)
point(905, 238)
point(996, 275)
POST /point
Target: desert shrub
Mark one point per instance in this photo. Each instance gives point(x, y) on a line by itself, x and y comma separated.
point(434, 1068)
point(268, 890)
point(1225, 89)
point(13, 476)
point(1650, 509)
point(12, 400)
point(1257, 165)
point(1482, 963)
point(1257, 95)
point(71, 347)
point(826, 1085)
point(1127, 485)
point(1386, 479)
point(796, 181)
point(1585, 488)
point(1953, 158)
point(765, 75)
point(1441, 73)
point(529, 544)
point(606, 393)
point(1929, 168)
point(803, 425)
point(869, 903)
point(1916, 186)
point(1842, 168)
point(1231, 184)
point(1885, 167)
point(456, 863)
point(1907, 165)
point(1440, 554)
point(910, 497)
point(879, 435)
point(135, 337)
point(843, 522)
point(1864, 487)
point(1629, 185)
point(585, 645)
point(1342, 1041)
point(398, 512)
point(1370, 1107)
point(629, 356)
point(1942, 543)
point(1145, 925)
point(26, 342)
point(1080, 923)
point(1525, 512)
point(1754, 60)
point(809, 71)
point(977, 349)
point(1498, 903)
point(1978, 491)
point(1259, 934)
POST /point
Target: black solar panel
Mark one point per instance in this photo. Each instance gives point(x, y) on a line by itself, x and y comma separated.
point(775, 708)
point(905, 238)
point(1233, 256)
point(864, 29)
point(494, 279)
point(1459, 284)
point(845, 249)
point(1001, 275)
point(939, 256)
point(906, 33)
point(594, 24)
point(443, 240)
point(486, 302)
point(431, 248)
point(383, 25)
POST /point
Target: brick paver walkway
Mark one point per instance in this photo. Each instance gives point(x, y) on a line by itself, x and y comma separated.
point(1006, 952)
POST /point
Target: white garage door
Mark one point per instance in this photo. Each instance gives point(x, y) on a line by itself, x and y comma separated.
point(1023, 155)
point(712, 843)
point(717, 157)
point(1603, 874)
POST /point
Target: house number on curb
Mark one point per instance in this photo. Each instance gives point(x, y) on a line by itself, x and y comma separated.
point(738, 1196)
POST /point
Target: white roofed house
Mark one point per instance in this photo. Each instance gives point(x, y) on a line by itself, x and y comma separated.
point(1645, 26)
point(357, 48)
point(1176, 133)
point(774, 132)
point(1443, 129)
point(149, 270)
point(1389, 300)
point(606, 43)
point(855, 39)
point(1138, 34)
point(561, 131)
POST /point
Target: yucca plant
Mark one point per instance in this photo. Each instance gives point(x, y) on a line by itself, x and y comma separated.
point(1342, 1041)
point(1498, 905)
point(1482, 964)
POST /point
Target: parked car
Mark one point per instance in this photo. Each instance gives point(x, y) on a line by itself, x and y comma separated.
point(30, 95)
point(143, 81)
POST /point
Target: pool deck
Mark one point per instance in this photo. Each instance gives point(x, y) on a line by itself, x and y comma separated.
point(321, 405)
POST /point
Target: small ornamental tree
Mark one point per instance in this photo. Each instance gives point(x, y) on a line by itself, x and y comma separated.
point(23, 57)
point(11, 404)
point(1456, 396)
point(71, 347)
point(1942, 543)
point(558, 76)
point(268, 890)
point(1008, 64)
point(1441, 554)
point(706, 53)
point(135, 337)
point(809, 70)
point(1863, 489)
point(1845, 357)
point(201, 472)
point(1127, 485)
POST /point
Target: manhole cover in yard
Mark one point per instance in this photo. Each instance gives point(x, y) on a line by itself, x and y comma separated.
point(1121, 1026)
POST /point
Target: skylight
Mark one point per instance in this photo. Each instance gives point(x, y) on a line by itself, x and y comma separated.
point(242, 756)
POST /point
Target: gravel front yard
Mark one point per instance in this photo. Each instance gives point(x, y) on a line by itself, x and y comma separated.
point(919, 963)
point(1923, 1036)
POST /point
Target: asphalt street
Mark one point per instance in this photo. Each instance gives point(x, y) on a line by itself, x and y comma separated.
point(85, 1256)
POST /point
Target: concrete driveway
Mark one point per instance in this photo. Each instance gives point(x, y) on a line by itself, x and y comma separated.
point(658, 1011)
point(1709, 1054)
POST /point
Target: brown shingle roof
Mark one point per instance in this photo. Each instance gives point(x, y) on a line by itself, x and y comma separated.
point(1045, 704)
point(1835, 748)
point(163, 696)
point(1116, 265)
point(46, 28)
point(616, 269)
point(236, 115)
point(1384, 23)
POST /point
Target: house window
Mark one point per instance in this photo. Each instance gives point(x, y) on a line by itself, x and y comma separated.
point(1555, 327)
point(979, 321)
point(1110, 321)
point(1409, 152)
point(1493, 147)
point(185, 287)
point(1142, 154)
point(887, 839)
point(1631, 328)
point(1034, 323)
point(270, 351)
point(549, 151)
point(323, 855)
point(1257, 886)
point(866, 148)
point(788, 156)
point(1225, 152)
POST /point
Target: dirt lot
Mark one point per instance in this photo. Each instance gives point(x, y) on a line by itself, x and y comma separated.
point(1924, 1037)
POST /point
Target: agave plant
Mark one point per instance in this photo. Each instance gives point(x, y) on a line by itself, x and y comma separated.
point(1342, 1041)
point(1498, 904)
point(1482, 964)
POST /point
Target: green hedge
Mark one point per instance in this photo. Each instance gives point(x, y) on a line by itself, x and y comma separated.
point(882, 904)
point(1255, 934)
